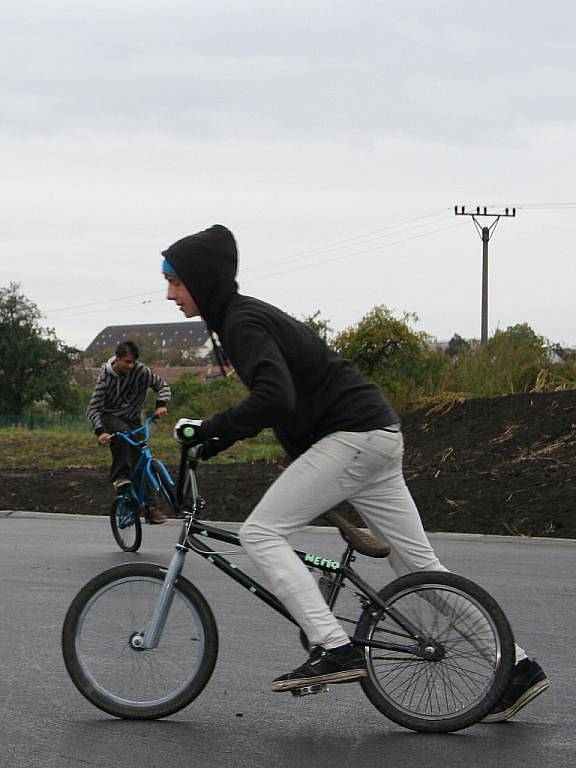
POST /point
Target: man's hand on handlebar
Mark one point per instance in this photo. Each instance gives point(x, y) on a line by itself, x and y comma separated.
point(189, 431)
point(160, 412)
point(104, 438)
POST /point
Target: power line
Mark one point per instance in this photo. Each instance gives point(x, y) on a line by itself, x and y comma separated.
point(302, 266)
point(326, 249)
point(546, 206)
point(358, 240)
point(540, 206)
point(104, 301)
point(95, 310)
point(275, 262)
point(373, 235)
point(355, 253)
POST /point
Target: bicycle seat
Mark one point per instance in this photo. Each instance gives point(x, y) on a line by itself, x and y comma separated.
point(360, 540)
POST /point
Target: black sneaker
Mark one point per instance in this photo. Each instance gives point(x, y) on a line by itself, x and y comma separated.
point(337, 665)
point(528, 681)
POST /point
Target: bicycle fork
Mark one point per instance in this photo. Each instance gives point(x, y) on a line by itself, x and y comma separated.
point(149, 637)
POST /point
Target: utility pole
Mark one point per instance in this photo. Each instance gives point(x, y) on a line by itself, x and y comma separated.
point(485, 233)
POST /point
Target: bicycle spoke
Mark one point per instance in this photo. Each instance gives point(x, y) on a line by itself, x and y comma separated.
point(455, 674)
point(115, 615)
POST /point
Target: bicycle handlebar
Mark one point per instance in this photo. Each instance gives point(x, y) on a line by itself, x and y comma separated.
point(144, 428)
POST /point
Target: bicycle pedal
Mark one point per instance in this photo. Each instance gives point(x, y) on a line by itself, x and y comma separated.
point(307, 690)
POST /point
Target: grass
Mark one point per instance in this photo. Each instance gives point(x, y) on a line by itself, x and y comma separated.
point(59, 449)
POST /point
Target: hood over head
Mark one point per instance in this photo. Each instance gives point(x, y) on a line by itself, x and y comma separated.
point(108, 366)
point(206, 262)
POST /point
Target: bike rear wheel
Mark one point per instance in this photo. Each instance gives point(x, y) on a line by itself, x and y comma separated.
point(126, 524)
point(111, 671)
point(470, 667)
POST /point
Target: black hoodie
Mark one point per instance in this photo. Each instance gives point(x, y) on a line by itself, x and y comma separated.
point(297, 385)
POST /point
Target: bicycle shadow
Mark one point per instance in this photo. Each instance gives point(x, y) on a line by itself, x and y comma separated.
point(218, 740)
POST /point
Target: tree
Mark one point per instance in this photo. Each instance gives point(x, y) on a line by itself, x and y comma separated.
point(389, 352)
point(320, 326)
point(522, 353)
point(513, 360)
point(34, 365)
point(522, 335)
point(456, 345)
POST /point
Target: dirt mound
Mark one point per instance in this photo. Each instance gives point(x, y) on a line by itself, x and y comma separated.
point(501, 465)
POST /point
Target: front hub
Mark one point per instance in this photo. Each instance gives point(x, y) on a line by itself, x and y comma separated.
point(137, 642)
point(433, 652)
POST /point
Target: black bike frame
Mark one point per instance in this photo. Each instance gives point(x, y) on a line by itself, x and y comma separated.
point(188, 541)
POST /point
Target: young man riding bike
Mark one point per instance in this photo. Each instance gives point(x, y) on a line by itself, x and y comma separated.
point(344, 439)
point(116, 406)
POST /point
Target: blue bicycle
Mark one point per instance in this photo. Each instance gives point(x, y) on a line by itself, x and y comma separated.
point(151, 488)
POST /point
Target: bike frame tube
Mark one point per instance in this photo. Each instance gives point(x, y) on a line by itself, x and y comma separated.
point(164, 472)
point(316, 562)
point(188, 542)
point(142, 472)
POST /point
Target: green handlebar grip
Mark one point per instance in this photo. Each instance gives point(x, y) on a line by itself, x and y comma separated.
point(189, 432)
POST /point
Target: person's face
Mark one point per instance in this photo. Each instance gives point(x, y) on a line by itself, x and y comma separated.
point(178, 292)
point(122, 365)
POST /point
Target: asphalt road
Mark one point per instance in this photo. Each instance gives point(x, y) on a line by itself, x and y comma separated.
point(238, 721)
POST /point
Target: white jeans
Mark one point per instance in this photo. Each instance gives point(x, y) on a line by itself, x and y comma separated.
point(364, 468)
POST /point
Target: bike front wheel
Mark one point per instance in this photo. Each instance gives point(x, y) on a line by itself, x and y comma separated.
point(463, 670)
point(109, 668)
point(125, 523)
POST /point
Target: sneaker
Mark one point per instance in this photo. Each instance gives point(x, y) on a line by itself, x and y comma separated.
point(337, 665)
point(122, 486)
point(157, 517)
point(528, 681)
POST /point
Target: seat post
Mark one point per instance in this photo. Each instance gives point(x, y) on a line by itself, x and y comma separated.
point(348, 556)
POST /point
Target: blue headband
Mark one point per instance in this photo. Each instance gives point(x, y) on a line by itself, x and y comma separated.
point(168, 269)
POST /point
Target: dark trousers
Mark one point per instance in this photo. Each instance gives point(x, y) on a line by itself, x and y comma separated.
point(124, 455)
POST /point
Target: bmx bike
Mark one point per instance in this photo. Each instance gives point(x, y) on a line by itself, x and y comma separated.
point(140, 640)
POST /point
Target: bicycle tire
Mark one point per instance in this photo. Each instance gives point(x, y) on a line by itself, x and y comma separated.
point(448, 693)
point(164, 498)
point(120, 679)
point(126, 524)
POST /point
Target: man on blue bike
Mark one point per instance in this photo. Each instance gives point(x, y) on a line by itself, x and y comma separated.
point(116, 406)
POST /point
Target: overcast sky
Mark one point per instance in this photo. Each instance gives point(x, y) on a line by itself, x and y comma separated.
point(333, 138)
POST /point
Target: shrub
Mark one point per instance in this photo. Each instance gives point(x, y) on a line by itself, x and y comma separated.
point(389, 352)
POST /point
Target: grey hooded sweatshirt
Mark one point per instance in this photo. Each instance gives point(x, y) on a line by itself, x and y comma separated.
point(297, 385)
